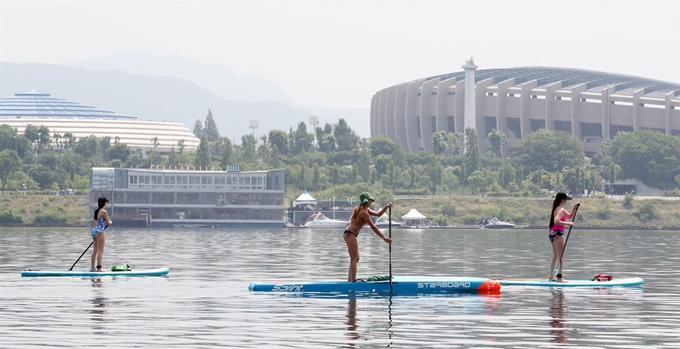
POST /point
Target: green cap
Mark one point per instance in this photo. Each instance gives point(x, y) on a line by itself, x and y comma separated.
point(365, 196)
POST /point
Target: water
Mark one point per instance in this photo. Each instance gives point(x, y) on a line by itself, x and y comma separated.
point(204, 302)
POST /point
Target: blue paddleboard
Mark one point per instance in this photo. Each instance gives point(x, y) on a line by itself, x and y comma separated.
point(148, 272)
point(400, 284)
point(572, 283)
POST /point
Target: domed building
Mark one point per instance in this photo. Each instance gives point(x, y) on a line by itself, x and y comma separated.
point(592, 106)
point(61, 116)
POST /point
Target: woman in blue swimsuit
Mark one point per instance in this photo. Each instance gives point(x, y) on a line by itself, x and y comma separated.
point(99, 222)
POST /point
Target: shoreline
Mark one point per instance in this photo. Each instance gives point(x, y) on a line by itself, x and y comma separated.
point(643, 228)
point(454, 212)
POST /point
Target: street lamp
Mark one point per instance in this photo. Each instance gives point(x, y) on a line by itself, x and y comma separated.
point(254, 123)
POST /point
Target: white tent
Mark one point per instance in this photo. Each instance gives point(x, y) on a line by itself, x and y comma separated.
point(304, 199)
point(413, 217)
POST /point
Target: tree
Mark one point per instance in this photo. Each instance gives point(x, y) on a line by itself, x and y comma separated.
point(345, 137)
point(32, 134)
point(119, 151)
point(440, 142)
point(210, 128)
point(455, 142)
point(381, 145)
point(651, 156)
point(478, 181)
point(44, 138)
point(10, 162)
point(155, 143)
point(497, 139)
point(471, 156)
point(226, 150)
point(198, 129)
point(88, 147)
point(327, 143)
point(279, 139)
point(181, 145)
point(552, 151)
point(301, 140)
point(43, 175)
point(202, 159)
point(249, 146)
point(69, 140)
point(435, 171)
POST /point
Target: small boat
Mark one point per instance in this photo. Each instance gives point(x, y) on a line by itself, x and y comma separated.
point(400, 285)
point(635, 281)
point(384, 222)
point(148, 272)
point(319, 220)
point(494, 223)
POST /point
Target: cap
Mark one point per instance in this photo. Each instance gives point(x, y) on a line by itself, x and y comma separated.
point(562, 196)
point(365, 196)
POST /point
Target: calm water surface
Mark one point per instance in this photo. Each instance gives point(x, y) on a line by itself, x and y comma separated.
point(205, 302)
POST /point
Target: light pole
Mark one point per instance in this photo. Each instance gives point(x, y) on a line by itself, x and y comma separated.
point(314, 121)
point(254, 123)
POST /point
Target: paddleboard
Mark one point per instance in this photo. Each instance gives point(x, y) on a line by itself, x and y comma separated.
point(148, 272)
point(572, 283)
point(400, 284)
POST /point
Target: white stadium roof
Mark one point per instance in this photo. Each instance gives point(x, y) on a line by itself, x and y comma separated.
point(61, 116)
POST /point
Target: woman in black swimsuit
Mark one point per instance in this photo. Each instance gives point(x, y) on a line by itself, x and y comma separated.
point(361, 217)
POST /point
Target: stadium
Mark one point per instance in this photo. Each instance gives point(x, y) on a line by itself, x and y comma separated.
point(592, 106)
point(61, 116)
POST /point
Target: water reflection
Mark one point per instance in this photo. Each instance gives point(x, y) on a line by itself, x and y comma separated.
point(205, 301)
point(98, 310)
point(389, 324)
point(557, 313)
point(352, 326)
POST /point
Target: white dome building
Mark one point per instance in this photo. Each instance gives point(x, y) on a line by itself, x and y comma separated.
point(61, 116)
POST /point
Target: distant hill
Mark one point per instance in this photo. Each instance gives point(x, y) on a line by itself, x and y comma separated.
point(153, 98)
point(213, 77)
point(220, 81)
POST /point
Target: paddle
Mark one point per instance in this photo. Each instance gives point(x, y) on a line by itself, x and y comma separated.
point(389, 225)
point(559, 261)
point(88, 247)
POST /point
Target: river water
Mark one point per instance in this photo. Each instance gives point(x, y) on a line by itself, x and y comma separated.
point(205, 302)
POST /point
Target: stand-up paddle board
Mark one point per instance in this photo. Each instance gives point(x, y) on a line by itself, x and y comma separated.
point(400, 284)
point(572, 283)
point(148, 272)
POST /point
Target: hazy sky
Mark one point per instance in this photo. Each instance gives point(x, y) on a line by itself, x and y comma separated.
point(339, 53)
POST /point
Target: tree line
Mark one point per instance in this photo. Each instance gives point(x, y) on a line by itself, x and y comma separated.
point(333, 162)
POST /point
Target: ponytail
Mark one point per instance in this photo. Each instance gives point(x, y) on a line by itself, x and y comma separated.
point(556, 203)
point(96, 212)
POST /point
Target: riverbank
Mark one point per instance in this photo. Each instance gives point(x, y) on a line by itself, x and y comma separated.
point(455, 211)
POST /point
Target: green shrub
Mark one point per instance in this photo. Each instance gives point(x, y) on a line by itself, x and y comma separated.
point(628, 200)
point(603, 212)
point(49, 217)
point(449, 209)
point(9, 217)
point(646, 212)
point(470, 219)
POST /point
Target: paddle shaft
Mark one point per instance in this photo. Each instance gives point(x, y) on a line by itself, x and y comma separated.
point(81, 256)
point(559, 261)
point(389, 225)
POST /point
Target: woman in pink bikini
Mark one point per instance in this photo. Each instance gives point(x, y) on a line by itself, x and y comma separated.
point(558, 219)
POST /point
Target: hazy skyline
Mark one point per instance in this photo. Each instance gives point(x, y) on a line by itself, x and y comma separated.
point(338, 54)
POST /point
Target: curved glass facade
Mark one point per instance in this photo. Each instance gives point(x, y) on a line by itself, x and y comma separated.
point(35, 104)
